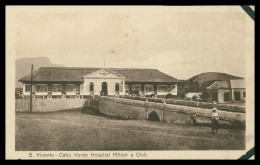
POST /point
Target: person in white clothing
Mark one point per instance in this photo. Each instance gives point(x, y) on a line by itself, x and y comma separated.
point(214, 121)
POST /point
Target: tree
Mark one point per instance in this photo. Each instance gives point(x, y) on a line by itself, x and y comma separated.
point(204, 95)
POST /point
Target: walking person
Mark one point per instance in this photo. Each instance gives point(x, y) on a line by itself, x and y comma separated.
point(214, 121)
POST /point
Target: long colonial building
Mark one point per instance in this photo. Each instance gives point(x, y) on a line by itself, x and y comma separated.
point(74, 82)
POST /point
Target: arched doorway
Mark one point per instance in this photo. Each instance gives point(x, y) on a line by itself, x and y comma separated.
point(153, 116)
point(91, 88)
point(104, 89)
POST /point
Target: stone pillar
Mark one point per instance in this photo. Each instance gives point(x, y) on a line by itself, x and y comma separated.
point(123, 86)
point(23, 88)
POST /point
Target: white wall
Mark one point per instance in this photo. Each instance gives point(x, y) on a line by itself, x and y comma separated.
point(191, 94)
point(27, 93)
point(175, 91)
point(98, 86)
point(242, 98)
point(221, 95)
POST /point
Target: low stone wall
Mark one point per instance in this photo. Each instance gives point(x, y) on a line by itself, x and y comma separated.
point(132, 109)
point(124, 108)
point(223, 107)
point(48, 105)
point(136, 109)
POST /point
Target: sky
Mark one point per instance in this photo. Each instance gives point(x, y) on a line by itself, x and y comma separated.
point(176, 40)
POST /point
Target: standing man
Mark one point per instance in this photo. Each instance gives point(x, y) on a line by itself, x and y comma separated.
point(214, 120)
point(194, 117)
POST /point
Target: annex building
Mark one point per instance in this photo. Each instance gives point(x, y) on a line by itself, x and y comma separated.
point(228, 91)
point(75, 82)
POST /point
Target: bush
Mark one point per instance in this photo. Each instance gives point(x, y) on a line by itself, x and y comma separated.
point(204, 96)
point(195, 98)
point(181, 95)
point(169, 96)
point(152, 95)
point(134, 93)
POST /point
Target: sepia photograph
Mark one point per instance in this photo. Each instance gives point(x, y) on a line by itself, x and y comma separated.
point(129, 82)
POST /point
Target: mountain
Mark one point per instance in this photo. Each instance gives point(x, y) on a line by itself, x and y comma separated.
point(23, 67)
point(201, 81)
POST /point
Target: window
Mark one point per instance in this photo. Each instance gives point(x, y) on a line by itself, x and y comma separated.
point(117, 87)
point(27, 88)
point(142, 87)
point(136, 88)
point(49, 88)
point(162, 89)
point(41, 88)
point(244, 94)
point(63, 88)
point(149, 89)
point(77, 88)
point(226, 96)
point(237, 96)
point(56, 88)
point(173, 89)
point(91, 87)
point(71, 88)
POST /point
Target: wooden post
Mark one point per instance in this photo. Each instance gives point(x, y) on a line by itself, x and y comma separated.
point(31, 89)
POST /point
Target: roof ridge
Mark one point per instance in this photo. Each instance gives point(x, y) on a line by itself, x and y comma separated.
point(212, 84)
point(53, 67)
point(218, 81)
point(77, 73)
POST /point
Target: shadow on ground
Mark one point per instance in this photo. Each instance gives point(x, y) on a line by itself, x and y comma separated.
point(234, 125)
point(96, 112)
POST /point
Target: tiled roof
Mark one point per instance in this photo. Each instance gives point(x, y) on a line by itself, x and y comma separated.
point(144, 75)
point(238, 83)
point(75, 74)
point(219, 84)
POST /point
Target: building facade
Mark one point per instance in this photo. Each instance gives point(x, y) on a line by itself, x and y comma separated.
point(66, 82)
point(228, 91)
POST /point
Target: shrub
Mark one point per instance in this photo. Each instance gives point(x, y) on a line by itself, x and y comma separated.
point(169, 96)
point(134, 93)
point(204, 96)
point(152, 95)
point(195, 98)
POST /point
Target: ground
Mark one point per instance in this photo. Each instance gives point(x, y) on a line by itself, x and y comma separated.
point(77, 131)
point(238, 104)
